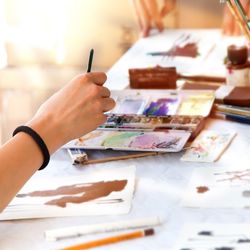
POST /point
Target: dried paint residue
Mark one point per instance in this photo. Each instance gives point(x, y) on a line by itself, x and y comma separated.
point(202, 189)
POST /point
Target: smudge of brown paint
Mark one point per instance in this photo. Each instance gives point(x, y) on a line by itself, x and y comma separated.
point(89, 191)
point(202, 189)
point(189, 50)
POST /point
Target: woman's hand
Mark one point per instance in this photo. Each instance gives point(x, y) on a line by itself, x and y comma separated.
point(229, 25)
point(149, 14)
point(75, 110)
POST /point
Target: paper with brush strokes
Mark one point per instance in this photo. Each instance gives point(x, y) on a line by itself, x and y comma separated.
point(101, 193)
point(218, 188)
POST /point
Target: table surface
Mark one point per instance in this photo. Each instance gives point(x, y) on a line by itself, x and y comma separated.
point(160, 180)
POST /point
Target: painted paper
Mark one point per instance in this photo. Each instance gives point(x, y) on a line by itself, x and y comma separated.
point(167, 141)
point(214, 237)
point(218, 188)
point(101, 193)
point(208, 146)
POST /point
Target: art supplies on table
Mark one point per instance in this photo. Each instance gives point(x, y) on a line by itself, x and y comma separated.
point(101, 193)
point(76, 231)
point(230, 95)
point(193, 124)
point(208, 146)
point(150, 121)
point(218, 188)
point(237, 66)
point(233, 113)
point(112, 240)
point(164, 78)
point(232, 110)
point(80, 156)
point(214, 236)
point(238, 118)
point(167, 141)
point(163, 102)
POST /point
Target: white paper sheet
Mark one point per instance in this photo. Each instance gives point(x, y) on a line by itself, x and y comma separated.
point(218, 188)
point(101, 193)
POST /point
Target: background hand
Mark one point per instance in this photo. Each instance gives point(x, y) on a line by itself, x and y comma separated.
point(229, 25)
point(149, 14)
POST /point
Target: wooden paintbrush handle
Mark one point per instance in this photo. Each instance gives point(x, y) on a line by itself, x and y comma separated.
point(200, 78)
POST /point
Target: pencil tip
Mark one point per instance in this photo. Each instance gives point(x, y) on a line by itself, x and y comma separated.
point(149, 232)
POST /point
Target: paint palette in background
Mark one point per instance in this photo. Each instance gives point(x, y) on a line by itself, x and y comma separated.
point(106, 192)
point(218, 188)
point(214, 237)
point(167, 141)
point(163, 102)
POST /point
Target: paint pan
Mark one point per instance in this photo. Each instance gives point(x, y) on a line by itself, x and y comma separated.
point(130, 105)
point(162, 107)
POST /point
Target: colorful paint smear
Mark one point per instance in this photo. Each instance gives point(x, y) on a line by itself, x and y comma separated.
point(162, 107)
point(167, 141)
point(196, 105)
point(208, 146)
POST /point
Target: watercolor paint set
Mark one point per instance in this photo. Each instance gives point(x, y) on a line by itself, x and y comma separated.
point(163, 102)
point(149, 121)
point(193, 124)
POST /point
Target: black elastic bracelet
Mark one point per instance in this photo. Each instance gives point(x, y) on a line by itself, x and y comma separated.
point(39, 141)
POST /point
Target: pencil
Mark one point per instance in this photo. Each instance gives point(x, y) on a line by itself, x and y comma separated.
point(111, 240)
point(91, 55)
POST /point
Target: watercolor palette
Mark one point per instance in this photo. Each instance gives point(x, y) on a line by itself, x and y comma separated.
point(167, 141)
point(194, 124)
point(163, 102)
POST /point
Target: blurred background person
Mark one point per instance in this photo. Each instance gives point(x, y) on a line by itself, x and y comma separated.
point(151, 13)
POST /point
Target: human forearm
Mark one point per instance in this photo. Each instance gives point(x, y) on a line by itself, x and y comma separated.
point(19, 159)
point(75, 110)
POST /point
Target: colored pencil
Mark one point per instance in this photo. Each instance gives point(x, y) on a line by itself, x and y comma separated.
point(111, 240)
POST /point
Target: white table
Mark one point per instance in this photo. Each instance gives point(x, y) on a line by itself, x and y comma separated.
point(161, 182)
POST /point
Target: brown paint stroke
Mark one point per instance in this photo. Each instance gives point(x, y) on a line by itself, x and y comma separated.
point(189, 50)
point(202, 189)
point(89, 191)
